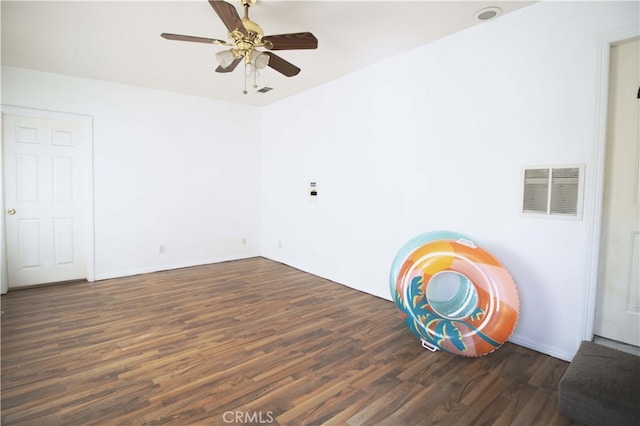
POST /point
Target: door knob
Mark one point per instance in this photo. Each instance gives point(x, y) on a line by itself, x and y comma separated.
point(11, 211)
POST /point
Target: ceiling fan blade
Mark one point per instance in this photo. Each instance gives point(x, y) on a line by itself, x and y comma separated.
point(282, 66)
point(290, 41)
point(181, 37)
point(229, 15)
point(231, 67)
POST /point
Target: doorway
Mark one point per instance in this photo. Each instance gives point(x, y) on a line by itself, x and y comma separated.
point(617, 308)
point(47, 197)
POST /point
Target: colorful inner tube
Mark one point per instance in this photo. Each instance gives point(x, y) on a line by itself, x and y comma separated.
point(453, 295)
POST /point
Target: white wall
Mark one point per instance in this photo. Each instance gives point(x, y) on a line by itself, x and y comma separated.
point(435, 140)
point(169, 169)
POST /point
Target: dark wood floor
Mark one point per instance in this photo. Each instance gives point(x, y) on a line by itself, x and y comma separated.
point(250, 341)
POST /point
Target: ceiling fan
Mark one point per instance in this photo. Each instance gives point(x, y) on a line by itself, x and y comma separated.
point(245, 36)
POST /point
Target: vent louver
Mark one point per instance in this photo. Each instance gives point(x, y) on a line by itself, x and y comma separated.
point(553, 191)
point(536, 190)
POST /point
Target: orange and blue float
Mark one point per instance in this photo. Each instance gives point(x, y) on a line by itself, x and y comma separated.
point(453, 295)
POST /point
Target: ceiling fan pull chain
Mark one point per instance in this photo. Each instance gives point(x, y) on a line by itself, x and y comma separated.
point(254, 68)
point(244, 92)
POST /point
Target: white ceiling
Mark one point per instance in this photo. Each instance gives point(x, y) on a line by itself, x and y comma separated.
point(120, 41)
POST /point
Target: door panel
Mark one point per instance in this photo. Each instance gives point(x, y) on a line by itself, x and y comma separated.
point(618, 303)
point(62, 178)
point(63, 240)
point(44, 197)
point(30, 237)
point(28, 170)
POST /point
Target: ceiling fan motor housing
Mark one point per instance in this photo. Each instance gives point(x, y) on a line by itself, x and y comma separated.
point(245, 44)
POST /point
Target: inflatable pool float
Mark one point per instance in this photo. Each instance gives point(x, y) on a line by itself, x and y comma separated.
point(453, 295)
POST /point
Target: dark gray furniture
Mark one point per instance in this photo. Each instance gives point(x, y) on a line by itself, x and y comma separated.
point(601, 386)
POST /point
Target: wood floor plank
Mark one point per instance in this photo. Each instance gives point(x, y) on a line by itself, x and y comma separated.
point(247, 342)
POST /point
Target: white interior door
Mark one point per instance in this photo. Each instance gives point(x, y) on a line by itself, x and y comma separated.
point(618, 302)
point(44, 199)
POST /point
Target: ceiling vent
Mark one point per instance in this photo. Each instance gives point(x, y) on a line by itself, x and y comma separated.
point(265, 89)
point(553, 191)
point(487, 13)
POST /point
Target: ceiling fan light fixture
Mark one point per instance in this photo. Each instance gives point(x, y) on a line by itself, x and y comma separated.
point(251, 71)
point(260, 59)
point(225, 58)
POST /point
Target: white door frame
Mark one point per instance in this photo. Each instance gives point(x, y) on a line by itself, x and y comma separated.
point(87, 125)
point(597, 180)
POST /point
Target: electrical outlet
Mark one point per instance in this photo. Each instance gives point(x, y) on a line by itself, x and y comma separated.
point(244, 241)
point(279, 244)
point(162, 249)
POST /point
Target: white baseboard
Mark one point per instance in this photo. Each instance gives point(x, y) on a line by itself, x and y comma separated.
point(545, 349)
point(158, 268)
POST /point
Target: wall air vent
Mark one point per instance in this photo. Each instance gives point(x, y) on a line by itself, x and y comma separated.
point(553, 191)
point(265, 89)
